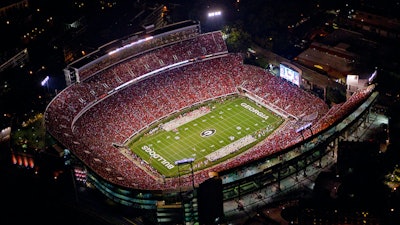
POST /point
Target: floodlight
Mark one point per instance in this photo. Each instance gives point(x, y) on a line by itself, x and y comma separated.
point(44, 81)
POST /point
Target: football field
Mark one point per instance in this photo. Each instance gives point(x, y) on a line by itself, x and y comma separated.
point(222, 131)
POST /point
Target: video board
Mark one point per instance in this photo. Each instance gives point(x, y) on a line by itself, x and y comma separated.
point(290, 73)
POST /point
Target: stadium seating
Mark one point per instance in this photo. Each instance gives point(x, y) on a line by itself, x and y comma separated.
point(90, 116)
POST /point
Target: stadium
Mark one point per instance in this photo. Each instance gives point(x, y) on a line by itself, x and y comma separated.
point(153, 115)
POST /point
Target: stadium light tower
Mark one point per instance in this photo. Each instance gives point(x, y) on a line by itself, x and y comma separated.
point(45, 83)
point(184, 201)
point(214, 19)
point(214, 13)
point(304, 127)
point(183, 162)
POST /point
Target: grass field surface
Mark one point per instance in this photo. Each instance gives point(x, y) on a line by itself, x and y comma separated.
point(221, 130)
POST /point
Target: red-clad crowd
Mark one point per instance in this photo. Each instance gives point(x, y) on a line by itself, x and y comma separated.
point(88, 120)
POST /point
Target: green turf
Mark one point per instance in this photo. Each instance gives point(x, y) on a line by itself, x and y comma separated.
point(231, 122)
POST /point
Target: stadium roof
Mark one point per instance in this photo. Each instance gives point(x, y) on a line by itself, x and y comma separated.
point(316, 78)
point(310, 75)
point(378, 21)
point(341, 53)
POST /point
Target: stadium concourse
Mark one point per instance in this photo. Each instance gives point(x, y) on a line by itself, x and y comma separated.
point(252, 205)
point(121, 94)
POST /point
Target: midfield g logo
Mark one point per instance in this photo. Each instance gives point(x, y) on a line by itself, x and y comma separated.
point(208, 133)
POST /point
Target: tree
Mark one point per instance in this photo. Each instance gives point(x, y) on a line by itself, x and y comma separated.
point(237, 39)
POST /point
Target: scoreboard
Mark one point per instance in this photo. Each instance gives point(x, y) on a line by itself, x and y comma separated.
point(290, 72)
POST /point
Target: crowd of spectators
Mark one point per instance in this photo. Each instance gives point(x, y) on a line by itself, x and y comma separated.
point(128, 48)
point(89, 119)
